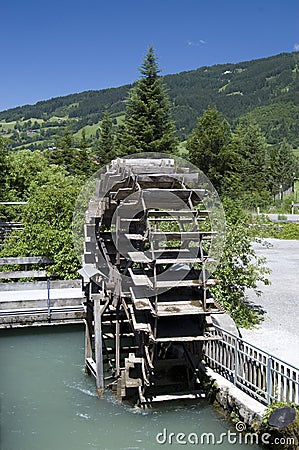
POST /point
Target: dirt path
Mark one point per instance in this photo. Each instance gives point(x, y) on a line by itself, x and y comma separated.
point(279, 332)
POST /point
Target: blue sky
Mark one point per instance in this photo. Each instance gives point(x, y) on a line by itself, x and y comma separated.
point(58, 47)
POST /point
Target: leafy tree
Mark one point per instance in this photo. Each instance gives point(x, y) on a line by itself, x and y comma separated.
point(240, 268)
point(4, 172)
point(208, 146)
point(28, 168)
point(4, 167)
point(147, 125)
point(47, 219)
point(283, 167)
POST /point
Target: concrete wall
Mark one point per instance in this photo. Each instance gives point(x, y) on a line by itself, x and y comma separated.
point(39, 303)
point(42, 319)
point(235, 401)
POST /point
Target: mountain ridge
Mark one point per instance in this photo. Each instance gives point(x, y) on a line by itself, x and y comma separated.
point(236, 89)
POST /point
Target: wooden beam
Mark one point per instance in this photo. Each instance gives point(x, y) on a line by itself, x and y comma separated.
point(88, 347)
point(24, 274)
point(25, 260)
point(91, 366)
point(13, 203)
point(188, 338)
point(117, 345)
point(98, 348)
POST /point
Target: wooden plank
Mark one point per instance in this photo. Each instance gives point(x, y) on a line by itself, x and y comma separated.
point(182, 252)
point(139, 326)
point(143, 280)
point(183, 256)
point(181, 235)
point(141, 303)
point(91, 365)
point(98, 348)
point(140, 280)
point(182, 212)
point(122, 193)
point(180, 193)
point(178, 260)
point(172, 219)
point(13, 203)
point(140, 293)
point(25, 260)
point(135, 237)
point(182, 283)
point(23, 274)
point(172, 397)
point(156, 178)
point(117, 346)
point(180, 308)
point(11, 224)
point(187, 338)
point(138, 257)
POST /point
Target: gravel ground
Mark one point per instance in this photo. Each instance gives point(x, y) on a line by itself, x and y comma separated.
point(279, 332)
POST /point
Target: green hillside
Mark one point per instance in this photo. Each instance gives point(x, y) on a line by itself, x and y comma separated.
point(266, 89)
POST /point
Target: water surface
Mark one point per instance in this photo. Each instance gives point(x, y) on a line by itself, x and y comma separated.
point(48, 403)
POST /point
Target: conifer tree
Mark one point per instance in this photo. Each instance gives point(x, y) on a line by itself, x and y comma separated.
point(208, 146)
point(104, 147)
point(75, 160)
point(251, 146)
point(148, 126)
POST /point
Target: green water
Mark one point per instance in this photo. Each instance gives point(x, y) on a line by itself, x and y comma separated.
point(48, 403)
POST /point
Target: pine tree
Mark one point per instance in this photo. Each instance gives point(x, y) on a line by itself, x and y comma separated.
point(75, 160)
point(148, 126)
point(104, 149)
point(208, 146)
point(252, 170)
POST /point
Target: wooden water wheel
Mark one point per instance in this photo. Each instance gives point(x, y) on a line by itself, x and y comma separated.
point(146, 279)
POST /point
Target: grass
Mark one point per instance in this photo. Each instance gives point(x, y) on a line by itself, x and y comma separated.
point(90, 130)
point(7, 125)
point(30, 145)
point(182, 151)
point(296, 152)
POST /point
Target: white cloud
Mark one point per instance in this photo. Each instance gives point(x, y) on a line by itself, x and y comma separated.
point(296, 47)
point(196, 44)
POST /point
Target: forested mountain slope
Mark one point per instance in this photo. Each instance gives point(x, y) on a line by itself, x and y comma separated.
point(267, 89)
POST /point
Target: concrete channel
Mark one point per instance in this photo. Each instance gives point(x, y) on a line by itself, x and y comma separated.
point(40, 303)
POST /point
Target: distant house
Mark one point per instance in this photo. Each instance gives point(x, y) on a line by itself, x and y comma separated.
point(31, 131)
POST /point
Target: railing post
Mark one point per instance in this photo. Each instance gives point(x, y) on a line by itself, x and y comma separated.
point(269, 380)
point(236, 369)
point(48, 300)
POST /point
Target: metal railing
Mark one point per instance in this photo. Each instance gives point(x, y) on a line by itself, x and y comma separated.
point(262, 375)
point(40, 303)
